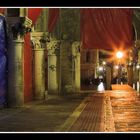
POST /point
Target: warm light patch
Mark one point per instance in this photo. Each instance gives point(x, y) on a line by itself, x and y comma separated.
point(119, 54)
point(116, 67)
point(137, 66)
point(104, 63)
point(100, 68)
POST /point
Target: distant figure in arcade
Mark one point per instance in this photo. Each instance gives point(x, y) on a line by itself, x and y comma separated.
point(101, 86)
point(97, 81)
point(90, 81)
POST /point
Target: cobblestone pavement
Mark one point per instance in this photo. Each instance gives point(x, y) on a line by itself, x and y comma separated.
point(126, 108)
point(116, 110)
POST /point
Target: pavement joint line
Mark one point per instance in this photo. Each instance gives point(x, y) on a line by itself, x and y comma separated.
point(109, 119)
point(74, 116)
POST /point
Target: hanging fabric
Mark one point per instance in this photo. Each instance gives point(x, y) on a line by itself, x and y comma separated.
point(106, 28)
point(53, 17)
point(33, 14)
point(3, 61)
point(28, 85)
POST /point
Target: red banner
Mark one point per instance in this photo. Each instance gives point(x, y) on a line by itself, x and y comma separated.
point(28, 56)
point(53, 17)
point(106, 28)
point(33, 13)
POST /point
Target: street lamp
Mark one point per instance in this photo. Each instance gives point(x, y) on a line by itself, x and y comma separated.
point(138, 67)
point(119, 56)
point(117, 67)
point(100, 68)
point(104, 63)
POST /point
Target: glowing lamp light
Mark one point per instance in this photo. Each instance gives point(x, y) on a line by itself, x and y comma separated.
point(116, 67)
point(119, 54)
point(104, 63)
point(130, 64)
point(100, 68)
point(137, 66)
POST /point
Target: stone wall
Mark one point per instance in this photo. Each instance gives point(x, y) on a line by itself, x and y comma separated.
point(70, 23)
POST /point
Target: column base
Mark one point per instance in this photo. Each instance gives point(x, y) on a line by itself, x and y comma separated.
point(77, 90)
point(54, 92)
point(68, 89)
point(15, 105)
point(40, 96)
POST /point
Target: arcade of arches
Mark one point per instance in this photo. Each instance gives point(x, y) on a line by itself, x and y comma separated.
point(42, 63)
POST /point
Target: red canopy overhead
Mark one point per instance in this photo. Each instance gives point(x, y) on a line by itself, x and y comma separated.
point(106, 28)
point(33, 14)
point(2, 10)
point(53, 17)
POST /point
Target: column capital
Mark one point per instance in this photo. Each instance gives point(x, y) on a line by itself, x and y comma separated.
point(39, 39)
point(18, 26)
point(53, 47)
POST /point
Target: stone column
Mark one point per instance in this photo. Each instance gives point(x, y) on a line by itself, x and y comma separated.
point(66, 67)
point(53, 66)
point(139, 70)
point(23, 12)
point(17, 26)
point(108, 77)
point(76, 65)
point(130, 68)
point(135, 76)
point(96, 61)
point(39, 47)
point(137, 45)
point(130, 75)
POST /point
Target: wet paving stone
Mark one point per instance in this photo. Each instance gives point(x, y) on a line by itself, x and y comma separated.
point(126, 110)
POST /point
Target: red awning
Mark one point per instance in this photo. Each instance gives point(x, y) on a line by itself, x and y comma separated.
point(33, 14)
point(53, 17)
point(106, 28)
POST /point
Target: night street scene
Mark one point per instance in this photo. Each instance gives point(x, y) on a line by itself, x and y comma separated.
point(70, 70)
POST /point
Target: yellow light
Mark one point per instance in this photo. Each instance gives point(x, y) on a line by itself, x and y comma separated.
point(137, 66)
point(116, 67)
point(119, 54)
point(104, 63)
point(100, 68)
